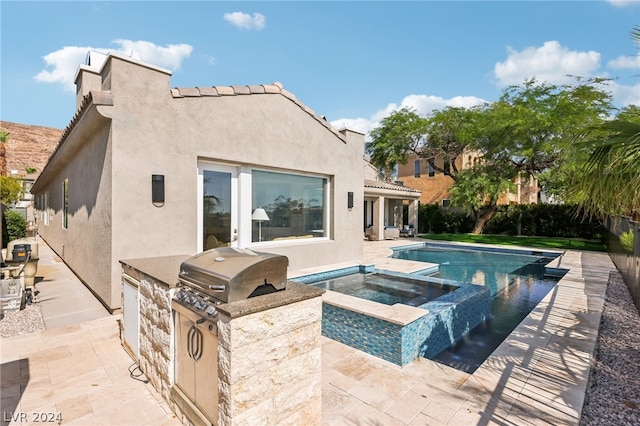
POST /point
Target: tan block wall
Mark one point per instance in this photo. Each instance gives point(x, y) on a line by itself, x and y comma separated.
point(156, 334)
point(270, 366)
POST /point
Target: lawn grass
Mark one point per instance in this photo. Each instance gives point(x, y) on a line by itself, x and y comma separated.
point(537, 242)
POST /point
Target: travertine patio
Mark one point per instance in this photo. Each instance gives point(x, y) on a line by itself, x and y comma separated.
point(78, 369)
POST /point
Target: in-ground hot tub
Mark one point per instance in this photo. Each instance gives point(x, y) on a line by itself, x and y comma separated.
point(398, 332)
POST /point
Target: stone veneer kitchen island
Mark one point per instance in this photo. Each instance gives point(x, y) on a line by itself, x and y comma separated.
point(268, 348)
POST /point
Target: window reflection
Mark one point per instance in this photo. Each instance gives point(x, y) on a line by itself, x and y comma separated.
point(216, 204)
point(294, 203)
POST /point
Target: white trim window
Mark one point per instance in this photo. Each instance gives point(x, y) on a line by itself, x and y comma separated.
point(45, 208)
point(291, 206)
point(217, 206)
point(65, 204)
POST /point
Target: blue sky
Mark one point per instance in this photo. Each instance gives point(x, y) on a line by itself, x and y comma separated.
point(353, 62)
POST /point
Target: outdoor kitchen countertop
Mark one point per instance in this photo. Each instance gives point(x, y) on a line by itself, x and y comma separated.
point(165, 269)
point(294, 292)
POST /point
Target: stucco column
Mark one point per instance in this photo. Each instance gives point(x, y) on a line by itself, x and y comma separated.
point(378, 218)
point(413, 214)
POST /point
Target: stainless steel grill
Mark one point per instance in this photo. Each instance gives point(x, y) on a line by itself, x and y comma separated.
point(226, 274)
point(221, 275)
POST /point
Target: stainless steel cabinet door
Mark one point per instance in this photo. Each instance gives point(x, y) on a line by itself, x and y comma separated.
point(184, 365)
point(207, 372)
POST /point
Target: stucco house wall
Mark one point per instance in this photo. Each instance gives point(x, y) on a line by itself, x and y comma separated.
point(131, 125)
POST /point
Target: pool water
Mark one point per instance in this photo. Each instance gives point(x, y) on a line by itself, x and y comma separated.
point(518, 281)
point(508, 309)
point(385, 289)
point(494, 269)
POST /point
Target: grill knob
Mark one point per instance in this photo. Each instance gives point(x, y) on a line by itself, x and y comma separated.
point(211, 311)
point(200, 305)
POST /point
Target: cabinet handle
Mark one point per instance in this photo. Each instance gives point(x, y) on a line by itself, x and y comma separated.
point(198, 352)
point(195, 345)
point(190, 341)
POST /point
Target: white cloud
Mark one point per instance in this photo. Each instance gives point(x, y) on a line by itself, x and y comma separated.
point(622, 3)
point(169, 56)
point(423, 104)
point(549, 63)
point(625, 62)
point(625, 95)
point(62, 64)
point(245, 21)
point(362, 125)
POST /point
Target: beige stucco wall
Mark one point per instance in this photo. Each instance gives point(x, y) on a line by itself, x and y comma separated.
point(154, 133)
point(86, 243)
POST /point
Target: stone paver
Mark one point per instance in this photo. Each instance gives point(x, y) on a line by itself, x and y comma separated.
point(536, 376)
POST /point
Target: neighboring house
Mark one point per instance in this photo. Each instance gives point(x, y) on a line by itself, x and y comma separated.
point(417, 173)
point(24, 156)
point(144, 170)
point(387, 204)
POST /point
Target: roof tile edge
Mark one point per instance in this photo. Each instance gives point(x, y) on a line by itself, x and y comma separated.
point(275, 88)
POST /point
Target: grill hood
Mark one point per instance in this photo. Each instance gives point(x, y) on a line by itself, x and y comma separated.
point(230, 274)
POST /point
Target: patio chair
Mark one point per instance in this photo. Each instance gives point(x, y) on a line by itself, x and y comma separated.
point(408, 231)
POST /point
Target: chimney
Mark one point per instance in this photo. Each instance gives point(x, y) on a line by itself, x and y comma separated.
point(88, 77)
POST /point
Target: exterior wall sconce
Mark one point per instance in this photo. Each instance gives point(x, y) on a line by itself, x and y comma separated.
point(157, 190)
point(349, 200)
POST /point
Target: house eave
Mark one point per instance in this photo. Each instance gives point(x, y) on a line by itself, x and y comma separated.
point(86, 120)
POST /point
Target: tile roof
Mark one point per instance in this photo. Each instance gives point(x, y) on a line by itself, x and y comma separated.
point(378, 184)
point(275, 88)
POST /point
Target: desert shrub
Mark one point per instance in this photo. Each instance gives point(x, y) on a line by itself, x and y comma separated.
point(16, 226)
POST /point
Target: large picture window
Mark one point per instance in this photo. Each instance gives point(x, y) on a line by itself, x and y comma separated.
point(294, 206)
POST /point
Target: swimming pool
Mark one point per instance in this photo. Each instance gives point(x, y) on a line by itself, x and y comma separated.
point(387, 289)
point(495, 268)
point(460, 328)
point(518, 280)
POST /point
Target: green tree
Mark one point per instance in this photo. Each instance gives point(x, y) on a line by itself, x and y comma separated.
point(398, 134)
point(535, 125)
point(531, 131)
point(449, 133)
point(11, 190)
point(479, 189)
point(608, 182)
